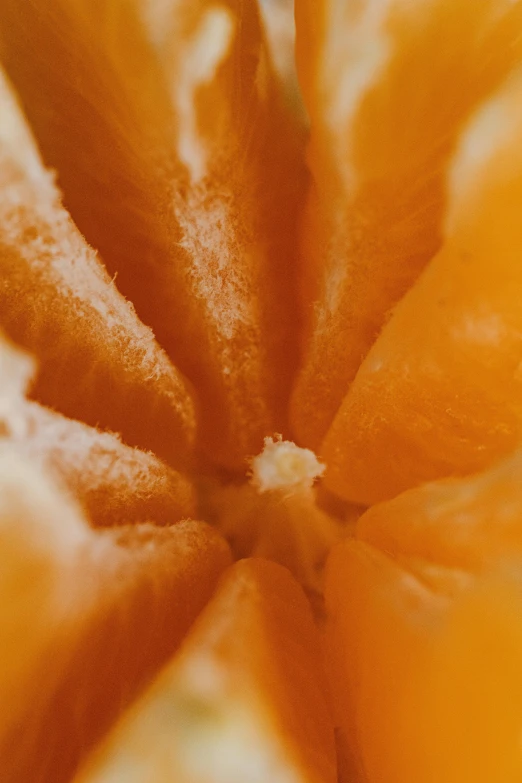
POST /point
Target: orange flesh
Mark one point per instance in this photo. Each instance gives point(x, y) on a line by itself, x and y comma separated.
point(116, 485)
point(458, 328)
point(379, 625)
point(57, 299)
point(87, 619)
point(179, 201)
point(463, 523)
point(390, 276)
point(426, 669)
point(252, 658)
point(425, 640)
point(380, 143)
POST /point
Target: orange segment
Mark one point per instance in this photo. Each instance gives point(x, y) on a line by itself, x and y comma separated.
point(114, 483)
point(381, 619)
point(474, 689)
point(242, 701)
point(425, 668)
point(387, 100)
point(440, 391)
point(464, 523)
point(97, 361)
point(425, 641)
point(86, 619)
point(166, 127)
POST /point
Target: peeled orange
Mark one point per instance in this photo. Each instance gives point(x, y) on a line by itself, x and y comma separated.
point(262, 307)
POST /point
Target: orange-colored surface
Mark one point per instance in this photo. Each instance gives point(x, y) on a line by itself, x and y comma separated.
point(384, 288)
point(115, 484)
point(97, 361)
point(439, 393)
point(425, 632)
point(168, 133)
point(425, 667)
point(86, 618)
point(388, 87)
point(464, 523)
point(248, 681)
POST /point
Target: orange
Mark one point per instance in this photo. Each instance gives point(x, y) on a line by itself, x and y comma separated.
point(189, 292)
point(114, 604)
point(425, 668)
point(114, 483)
point(463, 523)
point(168, 133)
point(97, 360)
point(242, 701)
point(425, 632)
point(86, 618)
point(388, 86)
point(438, 394)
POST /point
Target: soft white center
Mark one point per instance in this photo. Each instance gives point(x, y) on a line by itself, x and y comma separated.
point(283, 465)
